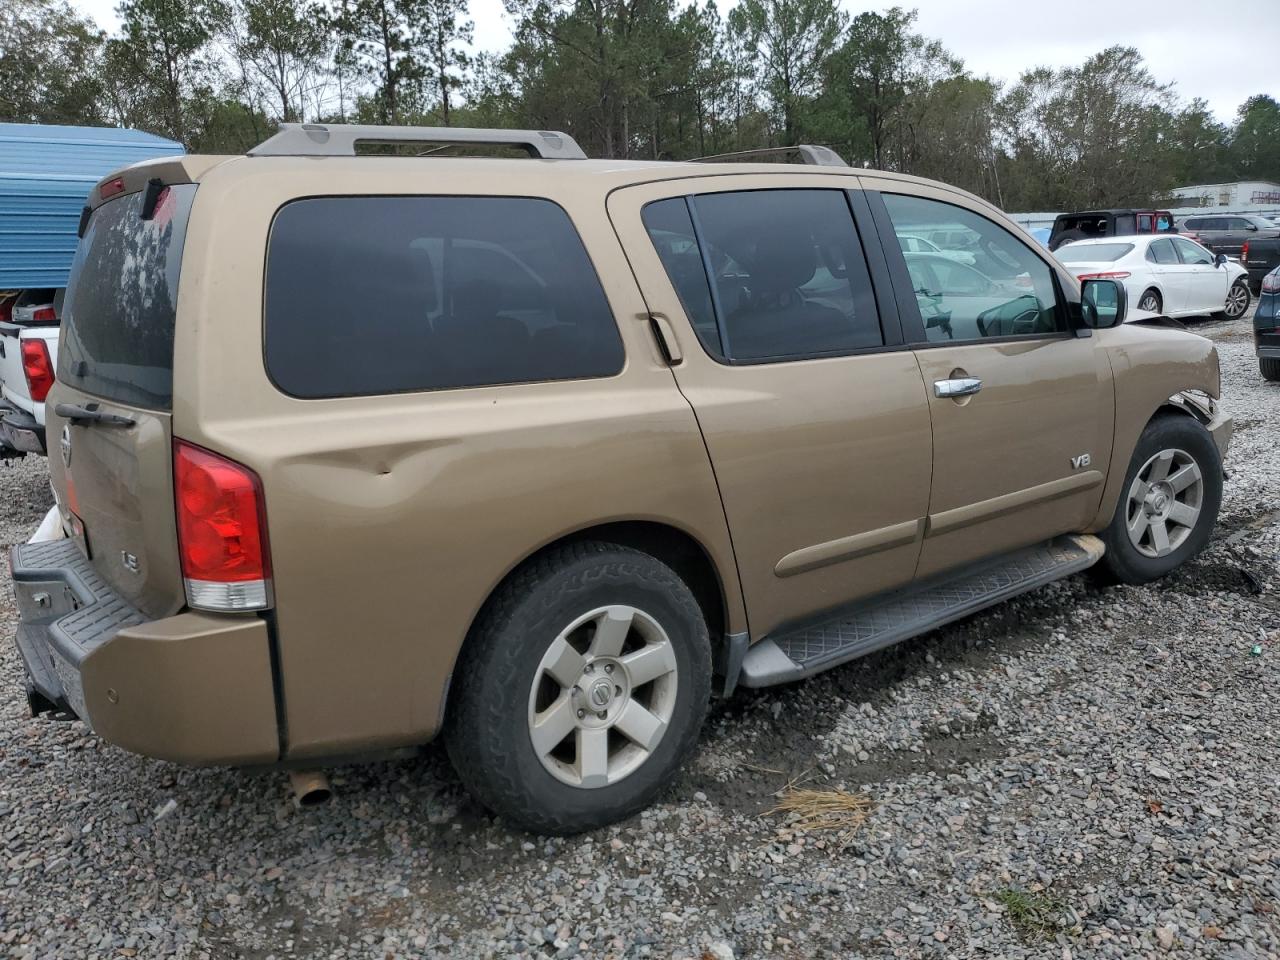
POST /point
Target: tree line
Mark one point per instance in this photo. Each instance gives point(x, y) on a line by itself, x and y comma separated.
point(650, 79)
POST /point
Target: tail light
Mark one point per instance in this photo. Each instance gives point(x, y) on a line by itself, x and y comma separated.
point(38, 368)
point(222, 533)
point(44, 315)
point(1271, 283)
point(6, 311)
point(1107, 275)
point(1244, 252)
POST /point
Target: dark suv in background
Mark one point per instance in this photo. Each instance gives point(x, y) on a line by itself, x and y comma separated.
point(1124, 222)
point(1228, 234)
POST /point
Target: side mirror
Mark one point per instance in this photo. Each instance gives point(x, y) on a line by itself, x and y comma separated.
point(1102, 303)
point(1221, 258)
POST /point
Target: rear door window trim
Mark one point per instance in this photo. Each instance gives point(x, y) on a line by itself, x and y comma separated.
point(868, 244)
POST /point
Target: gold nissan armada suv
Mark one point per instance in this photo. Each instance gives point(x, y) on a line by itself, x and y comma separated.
point(539, 454)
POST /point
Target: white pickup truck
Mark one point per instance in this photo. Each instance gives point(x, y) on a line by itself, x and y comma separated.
point(28, 358)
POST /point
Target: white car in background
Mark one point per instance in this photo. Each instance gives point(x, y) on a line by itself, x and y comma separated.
point(911, 243)
point(1163, 274)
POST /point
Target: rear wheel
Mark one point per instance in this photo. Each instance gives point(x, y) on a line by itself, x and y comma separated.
point(1237, 302)
point(1150, 301)
point(582, 690)
point(1168, 504)
point(1270, 368)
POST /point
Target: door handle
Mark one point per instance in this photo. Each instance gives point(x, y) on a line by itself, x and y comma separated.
point(959, 387)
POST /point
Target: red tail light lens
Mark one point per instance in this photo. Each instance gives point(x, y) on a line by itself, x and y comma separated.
point(1271, 283)
point(43, 315)
point(222, 531)
point(1244, 252)
point(1110, 275)
point(38, 368)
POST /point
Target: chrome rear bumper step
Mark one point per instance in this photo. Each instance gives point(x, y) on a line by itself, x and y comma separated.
point(891, 617)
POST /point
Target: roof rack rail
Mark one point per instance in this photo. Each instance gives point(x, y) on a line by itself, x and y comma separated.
point(340, 140)
point(809, 153)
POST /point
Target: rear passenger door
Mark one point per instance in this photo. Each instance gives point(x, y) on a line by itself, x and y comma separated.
point(1170, 273)
point(792, 357)
point(1021, 406)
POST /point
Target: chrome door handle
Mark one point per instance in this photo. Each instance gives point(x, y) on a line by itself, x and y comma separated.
point(959, 387)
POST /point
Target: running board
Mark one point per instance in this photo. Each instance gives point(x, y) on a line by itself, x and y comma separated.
point(904, 613)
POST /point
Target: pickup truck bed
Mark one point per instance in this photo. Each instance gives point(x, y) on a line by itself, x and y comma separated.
point(21, 419)
point(1260, 257)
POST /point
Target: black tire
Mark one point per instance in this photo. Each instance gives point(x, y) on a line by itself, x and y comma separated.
point(1237, 300)
point(1270, 368)
point(487, 730)
point(1123, 561)
point(1153, 295)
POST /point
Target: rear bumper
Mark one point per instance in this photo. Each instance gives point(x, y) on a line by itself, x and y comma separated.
point(19, 431)
point(195, 688)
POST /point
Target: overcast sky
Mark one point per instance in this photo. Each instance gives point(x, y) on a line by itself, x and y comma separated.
point(1203, 47)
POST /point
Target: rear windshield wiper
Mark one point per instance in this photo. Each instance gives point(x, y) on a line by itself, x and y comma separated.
point(90, 413)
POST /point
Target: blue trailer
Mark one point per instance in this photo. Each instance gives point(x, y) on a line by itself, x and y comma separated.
point(46, 173)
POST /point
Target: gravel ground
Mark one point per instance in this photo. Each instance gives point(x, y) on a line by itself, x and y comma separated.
point(1080, 772)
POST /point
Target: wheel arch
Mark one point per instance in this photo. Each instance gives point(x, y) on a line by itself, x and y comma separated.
point(716, 590)
point(1156, 372)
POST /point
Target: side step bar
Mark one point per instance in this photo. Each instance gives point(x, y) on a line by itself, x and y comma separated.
point(884, 620)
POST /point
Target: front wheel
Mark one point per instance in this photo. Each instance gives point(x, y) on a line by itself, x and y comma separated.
point(582, 689)
point(1237, 302)
point(1168, 504)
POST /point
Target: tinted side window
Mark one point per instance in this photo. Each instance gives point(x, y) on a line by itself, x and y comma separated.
point(373, 295)
point(1144, 224)
point(671, 230)
point(984, 283)
point(788, 276)
point(1161, 251)
point(1191, 252)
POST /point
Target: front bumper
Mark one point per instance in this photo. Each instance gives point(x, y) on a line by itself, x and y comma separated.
point(195, 688)
point(19, 431)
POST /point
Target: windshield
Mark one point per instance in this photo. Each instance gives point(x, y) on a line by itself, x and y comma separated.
point(1093, 252)
point(118, 318)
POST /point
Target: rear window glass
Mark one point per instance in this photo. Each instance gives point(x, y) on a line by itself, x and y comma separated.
point(118, 315)
point(1081, 253)
point(376, 295)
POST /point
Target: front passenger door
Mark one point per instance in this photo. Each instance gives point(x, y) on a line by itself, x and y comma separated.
point(1021, 406)
point(1206, 282)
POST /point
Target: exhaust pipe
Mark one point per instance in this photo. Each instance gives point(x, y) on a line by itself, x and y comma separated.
point(310, 788)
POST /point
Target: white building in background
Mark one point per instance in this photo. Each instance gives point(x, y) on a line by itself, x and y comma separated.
point(1238, 196)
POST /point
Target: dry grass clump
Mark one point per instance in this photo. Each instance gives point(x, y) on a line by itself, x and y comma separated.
point(823, 810)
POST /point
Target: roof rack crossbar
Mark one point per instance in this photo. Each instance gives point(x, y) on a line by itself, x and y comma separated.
point(809, 153)
point(340, 140)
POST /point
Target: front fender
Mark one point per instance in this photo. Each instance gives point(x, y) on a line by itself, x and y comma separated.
point(1152, 366)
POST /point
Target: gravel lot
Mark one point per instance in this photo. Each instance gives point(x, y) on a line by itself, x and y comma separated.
point(1076, 773)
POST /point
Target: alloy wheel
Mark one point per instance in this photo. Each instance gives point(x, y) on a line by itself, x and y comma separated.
point(603, 696)
point(1164, 503)
point(1150, 302)
point(1237, 302)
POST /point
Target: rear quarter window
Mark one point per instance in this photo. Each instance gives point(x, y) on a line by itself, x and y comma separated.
point(378, 295)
